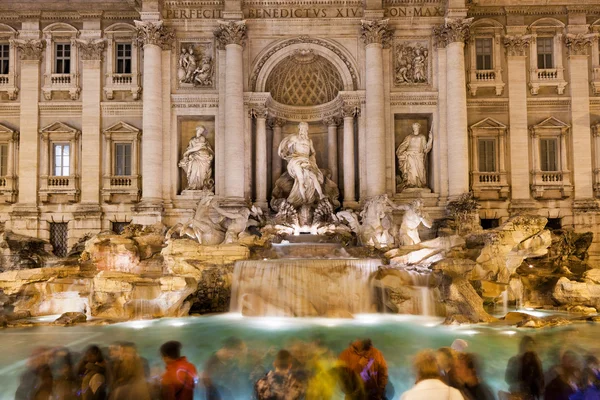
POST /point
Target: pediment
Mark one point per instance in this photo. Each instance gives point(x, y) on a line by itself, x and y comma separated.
point(489, 123)
point(6, 130)
point(551, 123)
point(59, 127)
point(122, 127)
point(7, 133)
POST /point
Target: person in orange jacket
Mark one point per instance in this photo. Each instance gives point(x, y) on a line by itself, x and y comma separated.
point(368, 362)
point(180, 377)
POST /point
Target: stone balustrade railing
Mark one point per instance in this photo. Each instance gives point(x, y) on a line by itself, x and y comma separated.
point(549, 177)
point(485, 75)
point(488, 177)
point(4, 80)
point(60, 79)
point(121, 79)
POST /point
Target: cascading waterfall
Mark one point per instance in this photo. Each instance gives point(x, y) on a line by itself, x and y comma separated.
point(303, 287)
point(505, 302)
point(421, 283)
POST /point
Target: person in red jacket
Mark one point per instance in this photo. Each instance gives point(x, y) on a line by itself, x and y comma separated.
point(180, 378)
point(364, 359)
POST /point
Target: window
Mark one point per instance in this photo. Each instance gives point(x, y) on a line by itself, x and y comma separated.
point(487, 155)
point(123, 57)
point(118, 227)
point(62, 159)
point(544, 52)
point(4, 58)
point(490, 223)
point(62, 58)
point(122, 159)
point(4, 159)
point(554, 223)
point(59, 238)
point(549, 154)
point(484, 52)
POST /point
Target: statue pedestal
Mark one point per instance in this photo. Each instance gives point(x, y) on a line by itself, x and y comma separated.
point(195, 194)
point(424, 194)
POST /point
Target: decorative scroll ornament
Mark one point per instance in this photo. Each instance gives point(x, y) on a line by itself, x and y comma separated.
point(376, 31)
point(453, 30)
point(412, 64)
point(91, 49)
point(30, 49)
point(578, 45)
point(153, 32)
point(231, 32)
point(517, 45)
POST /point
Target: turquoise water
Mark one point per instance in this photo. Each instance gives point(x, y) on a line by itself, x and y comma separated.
point(399, 337)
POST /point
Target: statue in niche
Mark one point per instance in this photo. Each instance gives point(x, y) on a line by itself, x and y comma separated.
point(411, 158)
point(195, 66)
point(411, 64)
point(299, 152)
point(413, 217)
point(197, 162)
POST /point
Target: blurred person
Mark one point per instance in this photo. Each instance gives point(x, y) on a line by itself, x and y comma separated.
point(429, 383)
point(568, 375)
point(459, 345)
point(129, 377)
point(280, 383)
point(180, 377)
point(91, 371)
point(36, 382)
point(446, 360)
point(63, 372)
point(364, 359)
point(590, 383)
point(524, 373)
point(468, 374)
point(227, 372)
point(337, 382)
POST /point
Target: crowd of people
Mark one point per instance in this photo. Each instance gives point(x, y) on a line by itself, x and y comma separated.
point(305, 370)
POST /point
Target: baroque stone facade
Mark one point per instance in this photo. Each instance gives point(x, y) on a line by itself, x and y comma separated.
point(100, 99)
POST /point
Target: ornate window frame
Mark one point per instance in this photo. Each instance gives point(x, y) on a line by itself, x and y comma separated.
point(122, 33)
point(550, 184)
point(595, 29)
point(8, 82)
point(552, 77)
point(486, 29)
point(8, 182)
point(61, 33)
point(51, 185)
point(121, 185)
point(596, 157)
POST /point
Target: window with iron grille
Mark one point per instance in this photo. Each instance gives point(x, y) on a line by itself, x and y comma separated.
point(62, 58)
point(59, 238)
point(3, 159)
point(4, 58)
point(123, 57)
point(118, 227)
point(122, 159)
point(483, 50)
point(487, 155)
point(62, 159)
point(545, 52)
point(549, 154)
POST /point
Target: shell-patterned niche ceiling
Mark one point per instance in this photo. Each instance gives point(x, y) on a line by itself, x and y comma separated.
point(304, 79)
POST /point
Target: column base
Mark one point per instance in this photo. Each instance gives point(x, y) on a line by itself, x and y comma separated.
point(148, 212)
point(232, 202)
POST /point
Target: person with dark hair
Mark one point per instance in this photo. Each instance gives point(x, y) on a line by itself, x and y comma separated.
point(130, 379)
point(524, 373)
point(429, 383)
point(368, 362)
point(566, 382)
point(92, 372)
point(281, 383)
point(36, 382)
point(65, 384)
point(590, 382)
point(180, 378)
point(467, 372)
point(446, 359)
point(226, 373)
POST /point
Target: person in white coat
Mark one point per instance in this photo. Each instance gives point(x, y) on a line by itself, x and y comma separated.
point(429, 384)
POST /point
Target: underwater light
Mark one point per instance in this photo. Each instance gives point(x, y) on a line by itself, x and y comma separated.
point(469, 332)
point(141, 324)
point(177, 323)
point(509, 333)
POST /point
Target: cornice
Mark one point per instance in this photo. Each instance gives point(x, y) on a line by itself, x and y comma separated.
point(536, 10)
point(549, 104)
point(192, 3)
point(121, 108)
point(10, 109)
point(60, 108)
point(490, 105)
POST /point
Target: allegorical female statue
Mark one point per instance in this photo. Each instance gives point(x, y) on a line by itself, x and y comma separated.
point(411, 158)
point(299, 152)
point(197, 162)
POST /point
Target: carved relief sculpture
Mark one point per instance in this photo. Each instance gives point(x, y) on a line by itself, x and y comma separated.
point(91, 49)
point(517, 45)
point(195, 65)
point(31, 49)
point(197, 162)
point(153, 33)
point(411, 158)
point(412, 64)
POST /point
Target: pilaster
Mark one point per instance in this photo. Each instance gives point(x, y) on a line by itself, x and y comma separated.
point(261, 114)
point(332, 150)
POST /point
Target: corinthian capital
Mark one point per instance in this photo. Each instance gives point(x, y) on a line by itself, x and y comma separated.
point(231, 32)
point(153, 32)
point(453, 30)
point(578, 45)
point(30, 49)
point(517, 45)
point(90, 49)
point(376, 31)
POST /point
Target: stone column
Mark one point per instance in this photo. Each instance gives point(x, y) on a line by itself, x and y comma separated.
point(577, 46)
point(91, 55)
point(276, 162)
point(231, 35)
point(348, 113)
point(332, 162)
point(441, 140)
point(152, 35)
point(25, 213)
point(260, 177)
point(376, 35)
point(454, 33)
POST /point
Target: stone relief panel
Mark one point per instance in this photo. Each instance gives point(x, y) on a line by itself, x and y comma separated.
point(411, 63)
point(196, 64)
point(200, 160)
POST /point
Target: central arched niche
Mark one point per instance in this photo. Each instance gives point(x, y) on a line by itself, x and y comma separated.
point(304, 78)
